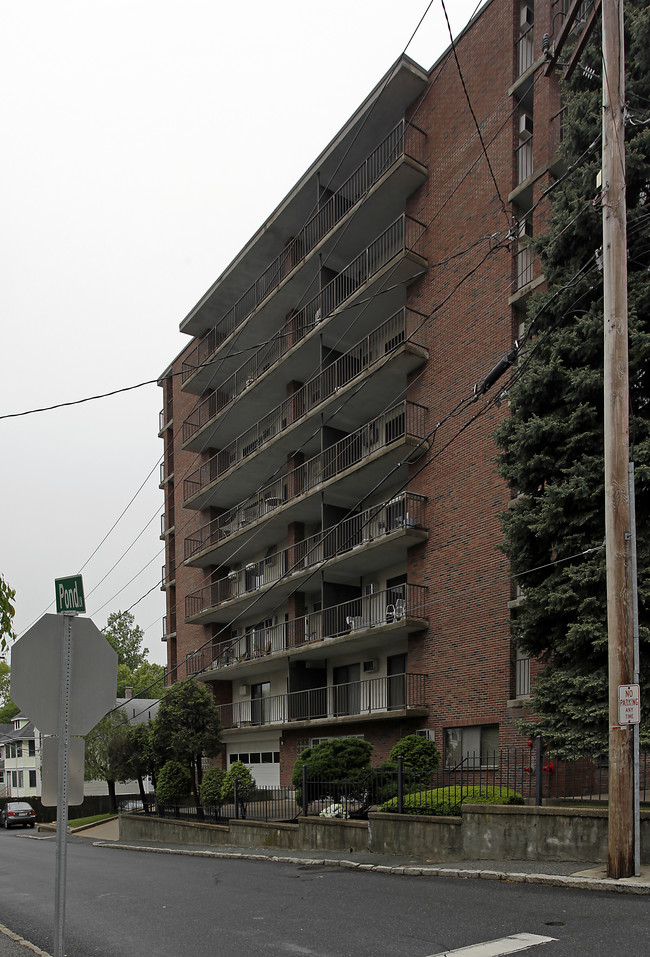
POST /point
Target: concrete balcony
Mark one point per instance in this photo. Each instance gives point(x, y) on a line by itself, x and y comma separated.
point(393, 258)
point(346, 472)
point(397, 696)
point(361, 626)
point(379, 364)
point(376, 191)
point(368, 541)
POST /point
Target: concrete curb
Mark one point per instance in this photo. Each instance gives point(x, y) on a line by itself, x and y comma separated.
point(20, 941)
point(624, 886)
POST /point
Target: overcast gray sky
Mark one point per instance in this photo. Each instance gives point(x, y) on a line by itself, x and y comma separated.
point(143, 143)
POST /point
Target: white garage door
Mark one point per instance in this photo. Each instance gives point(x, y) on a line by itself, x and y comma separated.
point(261, 755)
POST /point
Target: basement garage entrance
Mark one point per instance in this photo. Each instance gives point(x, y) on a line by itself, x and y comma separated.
point(261, 754)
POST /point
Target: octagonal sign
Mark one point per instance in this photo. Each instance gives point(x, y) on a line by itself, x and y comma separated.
point(36, 670)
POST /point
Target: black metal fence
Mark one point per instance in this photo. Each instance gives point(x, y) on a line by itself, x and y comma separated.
point(509, 775)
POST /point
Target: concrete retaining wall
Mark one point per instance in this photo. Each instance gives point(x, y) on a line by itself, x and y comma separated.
point(485, 832)
point(136, 827)
point(260, 834)
point(332, 834)
point(440, 838)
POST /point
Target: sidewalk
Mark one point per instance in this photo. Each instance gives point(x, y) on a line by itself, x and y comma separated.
point(557, 873)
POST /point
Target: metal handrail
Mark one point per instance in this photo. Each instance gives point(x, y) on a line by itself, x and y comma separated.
point(388, 337)
point(403, 140)
point(406, 419)
point(402, 235)
point(377, 695)
point(405, 602)
point(405, 510)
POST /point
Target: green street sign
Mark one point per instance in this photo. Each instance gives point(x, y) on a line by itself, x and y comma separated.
point(69, 594)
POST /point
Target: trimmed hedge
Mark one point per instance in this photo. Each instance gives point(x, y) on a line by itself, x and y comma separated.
point(448, 801)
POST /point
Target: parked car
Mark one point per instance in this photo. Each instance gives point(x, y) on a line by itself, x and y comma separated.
point(17, 813)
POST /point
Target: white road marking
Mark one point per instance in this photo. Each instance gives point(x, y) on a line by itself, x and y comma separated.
point(496, 948)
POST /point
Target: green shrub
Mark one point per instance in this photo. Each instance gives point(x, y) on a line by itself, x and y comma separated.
point(341, 759)
point(173, 783)
point(246, 787)
point(211, 787)
point(448, 801)
point(418, 754)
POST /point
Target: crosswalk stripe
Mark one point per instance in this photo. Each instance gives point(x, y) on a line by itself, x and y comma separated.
point(496, 948)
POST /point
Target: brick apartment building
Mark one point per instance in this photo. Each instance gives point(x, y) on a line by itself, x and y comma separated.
point(331, 529)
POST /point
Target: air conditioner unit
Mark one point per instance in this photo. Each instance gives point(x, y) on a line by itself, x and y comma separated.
point(427, 733)
point(369, 666)
point(525, 126)
point(527, 16)
point(243, 689)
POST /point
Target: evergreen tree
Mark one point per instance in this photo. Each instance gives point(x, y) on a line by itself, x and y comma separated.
point(552, 443)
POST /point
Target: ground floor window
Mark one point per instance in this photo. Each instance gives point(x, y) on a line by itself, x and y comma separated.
point(32, 779)
point(475, 746)
point(256, 757)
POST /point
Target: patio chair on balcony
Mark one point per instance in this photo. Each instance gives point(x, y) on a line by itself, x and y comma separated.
point(400, 609)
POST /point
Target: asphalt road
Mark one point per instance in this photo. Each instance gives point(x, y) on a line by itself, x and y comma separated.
point(133, 904)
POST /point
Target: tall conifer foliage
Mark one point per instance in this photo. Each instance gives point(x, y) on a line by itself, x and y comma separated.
point(552, 443)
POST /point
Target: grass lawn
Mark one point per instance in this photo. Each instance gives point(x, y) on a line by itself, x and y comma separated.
point(94, 819)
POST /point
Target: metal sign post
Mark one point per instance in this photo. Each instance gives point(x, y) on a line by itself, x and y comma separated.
point(75, 650)
point(62, 791)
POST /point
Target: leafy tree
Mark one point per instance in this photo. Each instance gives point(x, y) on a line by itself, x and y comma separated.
point(147, 681)
point(129, 756)
point(174, 783)
point(125, 637)
point(551, 445)
point(7, 708)
point(185, 728)
point(418, 754)
point(7, 611)
point(246, 786)
point(124, 680)
point(98, 765)
point(211, 788)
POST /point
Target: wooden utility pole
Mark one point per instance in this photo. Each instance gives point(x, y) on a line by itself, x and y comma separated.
point(617, 502)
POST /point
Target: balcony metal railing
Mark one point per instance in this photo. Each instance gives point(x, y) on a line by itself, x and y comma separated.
point(165, 526)
point(169, 624)
point(406, 601)
point(401, 141)
point(524, 160)
point(522, 677)
point(525, 264)
point(404, 511)
point(525, 50)
point(390, 335)
point(378, 695)
point(401, 236)
point(402, 421)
